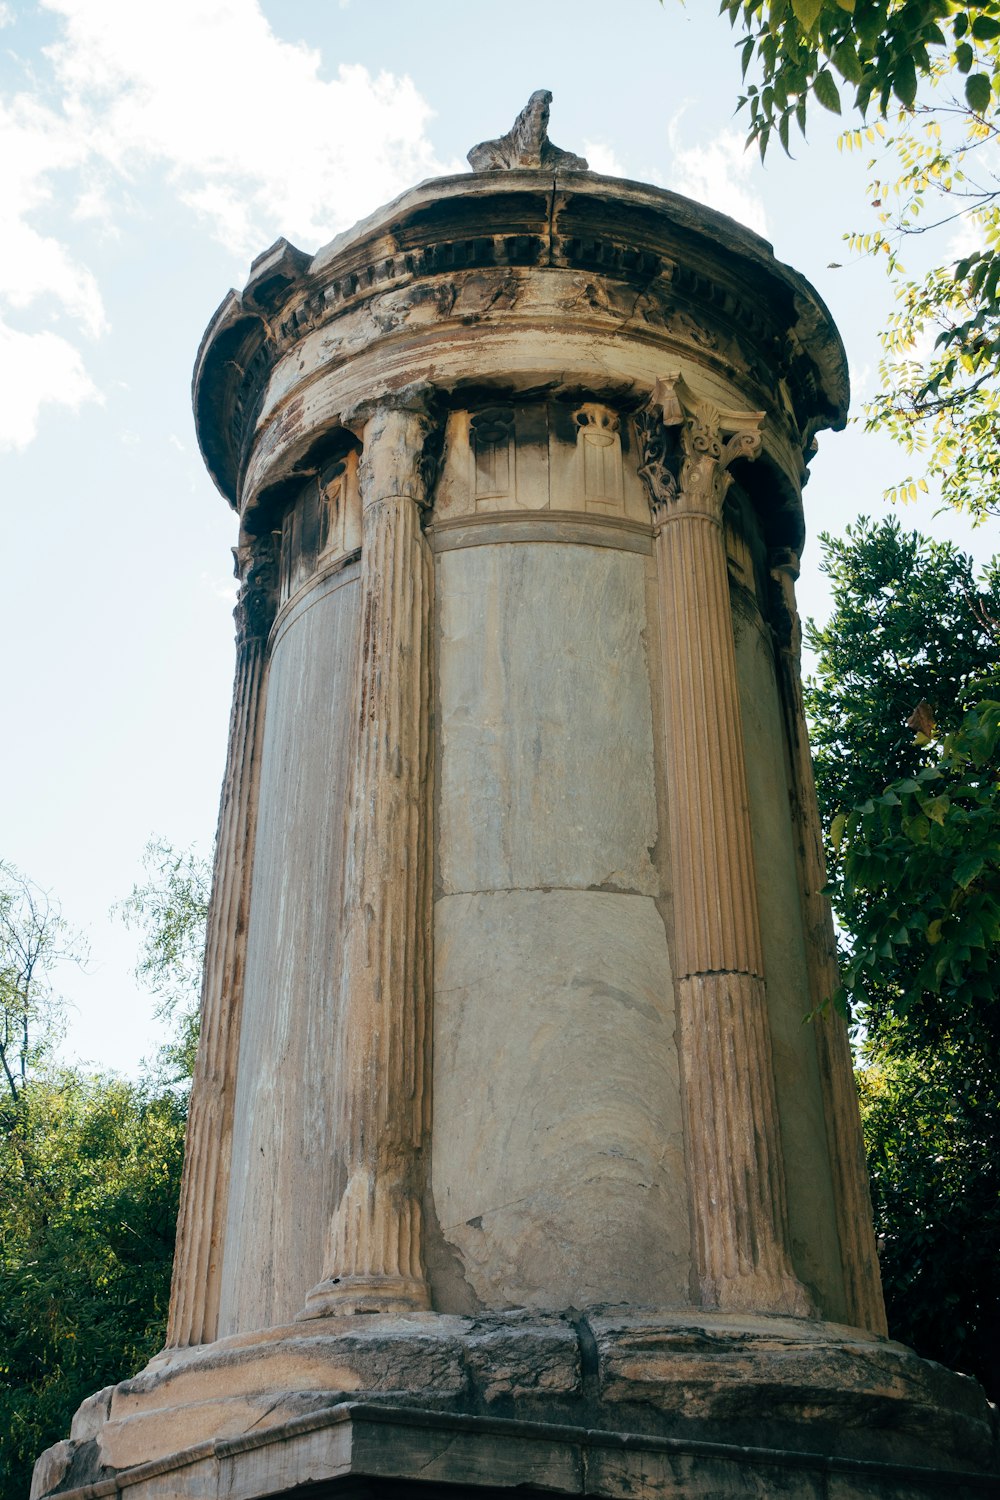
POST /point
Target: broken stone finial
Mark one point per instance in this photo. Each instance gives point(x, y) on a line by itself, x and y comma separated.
point(526, 143)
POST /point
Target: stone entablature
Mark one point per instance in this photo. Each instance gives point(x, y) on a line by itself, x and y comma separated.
point(626, 266)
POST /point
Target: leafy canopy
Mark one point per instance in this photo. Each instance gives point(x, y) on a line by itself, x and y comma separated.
point(90, 1166)
point(877, 49)
point(925, 75)
point(905, 719)
point(170, 909)
point(90, 1171)
point(931, 1119)
point(920, 877)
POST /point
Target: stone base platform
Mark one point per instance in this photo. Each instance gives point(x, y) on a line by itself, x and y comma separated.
point(621, 1405)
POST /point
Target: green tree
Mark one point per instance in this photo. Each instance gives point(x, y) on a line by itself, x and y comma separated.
point(910, 622)
point(915, 876)
point(925, 75)
point(90, 1166)
point(932, 1129)
point(170, 909)
point(33, 938)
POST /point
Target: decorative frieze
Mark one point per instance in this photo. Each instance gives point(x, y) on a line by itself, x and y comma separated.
point(379, 1063)
point(734, 1147)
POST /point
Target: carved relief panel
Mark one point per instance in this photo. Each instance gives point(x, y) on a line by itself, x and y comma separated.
point(540, 457)
point(599, 449)
point(321, 526)
point(491, 438)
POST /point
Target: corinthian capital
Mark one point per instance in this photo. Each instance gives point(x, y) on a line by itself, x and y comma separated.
point(402, 444)
point(687, 445)
point(256, 566)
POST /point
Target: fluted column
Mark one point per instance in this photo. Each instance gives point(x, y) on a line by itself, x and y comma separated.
point(859, 1258)
point(375, 1261)
point(194, 1298)
point(734, 1149)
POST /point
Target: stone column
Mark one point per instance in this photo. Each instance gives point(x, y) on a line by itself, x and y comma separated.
point(375, 1261)
point(733, 1142)
point(862, 1282)
point(194, 1299)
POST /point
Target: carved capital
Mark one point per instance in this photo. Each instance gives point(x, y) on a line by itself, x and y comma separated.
point(783, 564)
point(256, 566)
point(402, 444)
point(687, 446)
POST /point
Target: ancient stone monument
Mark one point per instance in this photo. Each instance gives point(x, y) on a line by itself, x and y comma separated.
point(511, 1162)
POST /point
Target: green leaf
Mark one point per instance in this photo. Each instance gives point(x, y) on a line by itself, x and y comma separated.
point(807, 12)
point(964, 57)
point(846, 60)
point(978, 92)
point(826, 91)
point(985, 28)
point(837, 830)
point(967, 869)
point(904, 85)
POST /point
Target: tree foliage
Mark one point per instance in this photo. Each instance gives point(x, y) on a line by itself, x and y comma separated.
point(170, 909)
point(932, 1128)
point(876, 51)
point(910, 622)
point(925, 76)
point(920, 879)
point(33, 938)
point(90, 1167)
point(908, 773)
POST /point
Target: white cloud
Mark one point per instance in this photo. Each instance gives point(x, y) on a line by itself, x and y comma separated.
point(40, 274)
point(244, 127)
point(601, 158)
point(6, 16)
point(251, 135)
point(717, 172)
point(36, 368)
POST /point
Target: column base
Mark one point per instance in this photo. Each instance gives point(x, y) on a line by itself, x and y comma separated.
point(619, 1403)
point(343, 1296)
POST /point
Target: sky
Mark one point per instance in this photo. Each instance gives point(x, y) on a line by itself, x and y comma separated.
point(147, 153)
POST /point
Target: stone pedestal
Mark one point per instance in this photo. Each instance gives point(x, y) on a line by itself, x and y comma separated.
point(511, 1163)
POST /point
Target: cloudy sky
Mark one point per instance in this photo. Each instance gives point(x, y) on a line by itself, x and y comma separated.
point(147, 153)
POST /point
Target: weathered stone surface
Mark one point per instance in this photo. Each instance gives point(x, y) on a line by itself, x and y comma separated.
point(531, 637)
point(738, 1201)
point(525, 1359)
point(91, 1415)
point(526, 143)
point(558, 1157)
point(377, 1098)
point(352, 1444)
point(594, 1385)
point(838, 1389)
point(51, 1468)
point(283, 1190)
point(814, 1240)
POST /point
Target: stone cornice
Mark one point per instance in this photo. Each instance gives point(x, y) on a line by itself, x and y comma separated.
point(649, 262)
